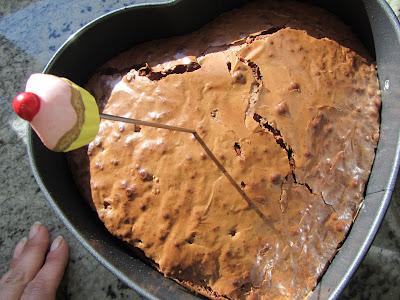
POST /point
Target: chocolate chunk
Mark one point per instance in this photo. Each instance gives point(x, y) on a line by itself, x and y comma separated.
point(282, 108)
point(144, 175)
point(276, 178)
point(130, 192)
point(99, 165)
point(239, 77)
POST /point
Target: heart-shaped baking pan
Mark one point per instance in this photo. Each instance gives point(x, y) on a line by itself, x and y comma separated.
point(375, 25)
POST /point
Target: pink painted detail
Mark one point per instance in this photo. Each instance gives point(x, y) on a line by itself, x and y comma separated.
point(56, 115)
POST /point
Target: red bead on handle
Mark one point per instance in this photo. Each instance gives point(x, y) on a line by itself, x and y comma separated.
point(26, 105)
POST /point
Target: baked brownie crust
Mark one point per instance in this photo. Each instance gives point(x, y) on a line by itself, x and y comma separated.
point(287, 100)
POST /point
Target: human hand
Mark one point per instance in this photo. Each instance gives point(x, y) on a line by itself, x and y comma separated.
point(35, 271)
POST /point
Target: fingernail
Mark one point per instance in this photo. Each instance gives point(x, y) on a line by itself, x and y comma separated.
point(20, 246)
point(56, 243)
point(34, 229)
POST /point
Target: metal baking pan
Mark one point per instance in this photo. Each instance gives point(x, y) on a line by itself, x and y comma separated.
point(374, 23)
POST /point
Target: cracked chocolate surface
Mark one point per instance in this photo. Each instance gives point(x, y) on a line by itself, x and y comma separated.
point(287, 101)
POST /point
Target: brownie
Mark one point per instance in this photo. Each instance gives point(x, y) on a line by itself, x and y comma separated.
point(287, 100)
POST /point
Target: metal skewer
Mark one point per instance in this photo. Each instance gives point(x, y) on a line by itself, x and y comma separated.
point(228, 176)
point(202, 144)
point(145, 123)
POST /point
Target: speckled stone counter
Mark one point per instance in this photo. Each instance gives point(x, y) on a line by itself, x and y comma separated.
point(30, 33)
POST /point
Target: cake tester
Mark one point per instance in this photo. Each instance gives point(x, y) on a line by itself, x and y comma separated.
point(66, 117)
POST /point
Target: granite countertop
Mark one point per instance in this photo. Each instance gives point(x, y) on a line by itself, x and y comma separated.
point(30, 33)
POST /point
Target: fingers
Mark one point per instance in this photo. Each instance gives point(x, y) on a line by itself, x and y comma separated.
point(45, 283)
point(26, 263)
point(28, 277)
point(18, 250)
